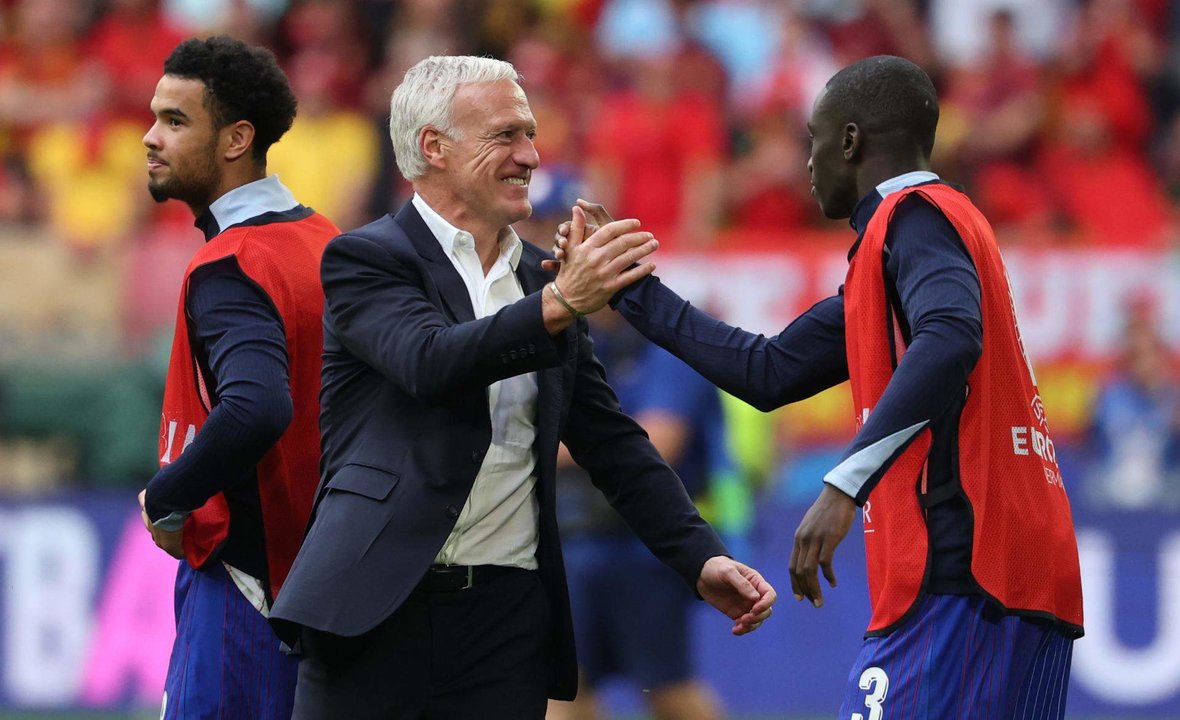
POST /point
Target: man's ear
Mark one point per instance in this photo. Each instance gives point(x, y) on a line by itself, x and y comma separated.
point(434, 146)
point(850, 141)
point(239, 138)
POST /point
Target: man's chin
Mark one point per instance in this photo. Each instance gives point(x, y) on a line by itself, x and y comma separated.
point(835, 211)
point(158, 193)
point(520, 212)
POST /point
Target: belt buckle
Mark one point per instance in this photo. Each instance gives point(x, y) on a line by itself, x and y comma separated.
point(470, 578)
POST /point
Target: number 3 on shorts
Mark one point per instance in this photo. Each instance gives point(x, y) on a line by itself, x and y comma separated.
point(876, 681)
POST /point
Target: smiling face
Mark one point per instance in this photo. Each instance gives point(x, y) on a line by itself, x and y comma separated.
point(490, 162)
point(182, 144)
point(833, 174)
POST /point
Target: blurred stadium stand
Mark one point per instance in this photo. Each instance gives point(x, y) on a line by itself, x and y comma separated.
point(1060, 117)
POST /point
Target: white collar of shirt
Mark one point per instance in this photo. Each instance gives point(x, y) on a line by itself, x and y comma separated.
point(901, 182)
point(448, 235)
point(251, 200)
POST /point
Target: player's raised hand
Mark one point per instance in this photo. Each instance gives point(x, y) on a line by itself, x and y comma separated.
point(821, 530)
point(737, 590)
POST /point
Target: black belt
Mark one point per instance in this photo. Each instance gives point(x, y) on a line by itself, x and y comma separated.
point(448, 578)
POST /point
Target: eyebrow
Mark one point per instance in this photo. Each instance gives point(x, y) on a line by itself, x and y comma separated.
point(176, 112)
point(516, 125)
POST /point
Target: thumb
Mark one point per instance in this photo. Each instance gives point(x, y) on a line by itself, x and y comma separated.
point(738, 581)
point(577, 229)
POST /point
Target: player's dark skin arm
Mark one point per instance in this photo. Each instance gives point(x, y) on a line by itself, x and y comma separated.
point(939, 290)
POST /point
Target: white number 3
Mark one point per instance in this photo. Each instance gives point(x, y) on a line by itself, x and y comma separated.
point(875, 679)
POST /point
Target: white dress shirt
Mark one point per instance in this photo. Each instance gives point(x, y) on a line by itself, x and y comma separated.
point(498, 524)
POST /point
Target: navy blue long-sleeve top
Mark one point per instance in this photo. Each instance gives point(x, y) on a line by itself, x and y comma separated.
point(935, 288)
point(240, 345)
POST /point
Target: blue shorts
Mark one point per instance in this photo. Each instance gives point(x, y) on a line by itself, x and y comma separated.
point(631, 612)
point(226, 662)
point(959, 657)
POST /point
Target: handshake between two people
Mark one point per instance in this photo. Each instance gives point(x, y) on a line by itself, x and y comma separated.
point(596, 257)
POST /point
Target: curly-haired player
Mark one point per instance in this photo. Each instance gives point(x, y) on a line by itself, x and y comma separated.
point(239, 446)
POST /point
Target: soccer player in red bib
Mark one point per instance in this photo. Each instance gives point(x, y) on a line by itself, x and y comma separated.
point(239, 443)
point(972, 560)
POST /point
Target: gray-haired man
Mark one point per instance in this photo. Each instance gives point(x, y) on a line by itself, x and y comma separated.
point(431, 584)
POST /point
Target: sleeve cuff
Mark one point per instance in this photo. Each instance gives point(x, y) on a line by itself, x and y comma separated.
point(172, 522)
point(855, 471)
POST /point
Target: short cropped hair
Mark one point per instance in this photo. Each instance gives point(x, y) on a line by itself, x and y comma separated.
point(886, 94)
point(425, 96)
point(242, 82)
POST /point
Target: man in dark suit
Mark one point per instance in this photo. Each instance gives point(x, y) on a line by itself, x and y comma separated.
point(430, 583)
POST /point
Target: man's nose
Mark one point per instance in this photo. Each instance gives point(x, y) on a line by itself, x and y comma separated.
point(528, 156)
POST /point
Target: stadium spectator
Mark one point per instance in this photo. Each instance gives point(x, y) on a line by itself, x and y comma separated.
point(996, 112)
point(960, 30)
point(53, 107)
point(743, 36)
point(248, 20)
point(45, 73)
point(802, 64)
point(330, 34)
point(766, 187)
point(1107, 58)
point(1107, 191)
point(417, 29)
point(132, 40)
point(870, 27)
point(239, 443)
point(656, 152)
point(1135, 428)
point(329, 156)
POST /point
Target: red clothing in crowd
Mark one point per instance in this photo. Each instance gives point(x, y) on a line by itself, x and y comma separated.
point(652, 146)
point(1113, 196)
point(133, 47)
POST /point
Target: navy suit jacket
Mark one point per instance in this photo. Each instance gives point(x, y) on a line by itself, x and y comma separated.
point(405, 426)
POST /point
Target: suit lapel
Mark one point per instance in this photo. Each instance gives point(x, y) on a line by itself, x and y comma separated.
point(451, 287)
point(455, 297)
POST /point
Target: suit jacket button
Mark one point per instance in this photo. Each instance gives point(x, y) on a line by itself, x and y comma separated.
point(452, 511)
point(532, 349)
point(476, 456)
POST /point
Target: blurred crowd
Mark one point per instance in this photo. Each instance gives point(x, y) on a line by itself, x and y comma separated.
point(690, 114)
point(1061, 117)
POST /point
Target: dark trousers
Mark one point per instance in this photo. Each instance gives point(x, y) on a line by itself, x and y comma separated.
point(482, 652)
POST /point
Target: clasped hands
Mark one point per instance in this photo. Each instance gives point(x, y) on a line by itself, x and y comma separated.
point(598, 258)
